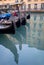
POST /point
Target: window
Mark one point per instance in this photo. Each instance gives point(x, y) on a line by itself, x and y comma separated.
point(0, 6)
point(35, 0)
point(29, 6)
point(42, 6)
point(16, 0)
point(29, 0)
point(5, 6)
point(21, 0)
point(21, 7)
point(35, 6)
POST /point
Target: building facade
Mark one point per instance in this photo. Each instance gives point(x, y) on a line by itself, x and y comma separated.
point(6, 3)
point(34, 4)
point(27, 4)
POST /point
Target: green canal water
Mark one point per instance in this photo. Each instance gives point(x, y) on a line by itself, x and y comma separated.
point(26, 46)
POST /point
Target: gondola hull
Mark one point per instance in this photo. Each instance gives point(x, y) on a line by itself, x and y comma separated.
point(8, 29)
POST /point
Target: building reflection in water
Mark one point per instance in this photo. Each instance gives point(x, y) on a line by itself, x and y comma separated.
point(25, 35)
point(35, 18)
point(41, 17)
point(36, 36)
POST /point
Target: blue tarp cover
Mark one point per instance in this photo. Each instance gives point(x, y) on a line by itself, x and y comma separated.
point(5, 15)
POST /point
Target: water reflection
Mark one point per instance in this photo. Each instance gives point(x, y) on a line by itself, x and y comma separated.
point(35, 17)
point(29, 36)
point(41, 17)
point(17, 36)
point(20, 37)
point(4, 41)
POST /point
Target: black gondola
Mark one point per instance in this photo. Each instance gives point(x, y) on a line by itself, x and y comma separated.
point(18, 23)
point(7, 28)
point(28, 16)
point(23, 21)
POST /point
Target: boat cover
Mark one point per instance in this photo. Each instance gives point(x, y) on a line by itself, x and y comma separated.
point(5, 15)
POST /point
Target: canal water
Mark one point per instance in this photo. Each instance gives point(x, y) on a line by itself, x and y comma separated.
point(26, 46)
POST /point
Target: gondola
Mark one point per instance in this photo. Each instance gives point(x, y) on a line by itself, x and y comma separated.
point(7, 28)
point(28, 16)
